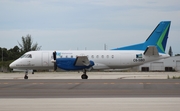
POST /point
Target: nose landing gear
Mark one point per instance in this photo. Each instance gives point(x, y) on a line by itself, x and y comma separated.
point(26, 75)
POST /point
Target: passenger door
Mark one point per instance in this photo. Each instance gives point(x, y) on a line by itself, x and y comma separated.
point(45, 59)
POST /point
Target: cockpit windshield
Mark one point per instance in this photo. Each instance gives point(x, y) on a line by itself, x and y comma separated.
point(26, 56)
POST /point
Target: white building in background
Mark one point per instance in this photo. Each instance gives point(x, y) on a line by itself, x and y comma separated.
point(169, 64)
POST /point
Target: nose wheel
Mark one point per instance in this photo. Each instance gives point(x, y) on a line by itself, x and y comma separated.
point(26, 75)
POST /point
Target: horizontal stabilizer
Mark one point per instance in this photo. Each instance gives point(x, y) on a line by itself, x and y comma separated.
point(151, 51)
point(82, 61)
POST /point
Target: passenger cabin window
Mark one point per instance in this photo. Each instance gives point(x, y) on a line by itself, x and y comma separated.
point(102, 56)
point(107, 56)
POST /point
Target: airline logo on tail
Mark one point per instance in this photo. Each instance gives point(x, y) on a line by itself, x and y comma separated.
point(163, 39)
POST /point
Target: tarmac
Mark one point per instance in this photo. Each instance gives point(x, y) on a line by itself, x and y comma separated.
point(103, 91)
point(92, 75)
point(91, 104)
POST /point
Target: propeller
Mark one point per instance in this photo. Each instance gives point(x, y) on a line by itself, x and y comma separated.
point(54, 57)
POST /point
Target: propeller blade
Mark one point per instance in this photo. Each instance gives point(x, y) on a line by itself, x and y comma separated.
point(54, 57)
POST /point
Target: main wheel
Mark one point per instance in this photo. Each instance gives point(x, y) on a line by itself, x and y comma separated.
point(84, 76)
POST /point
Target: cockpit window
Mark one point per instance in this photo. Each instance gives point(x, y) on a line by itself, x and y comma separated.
point(26, 56)
point(29, 56)
point(22, 56)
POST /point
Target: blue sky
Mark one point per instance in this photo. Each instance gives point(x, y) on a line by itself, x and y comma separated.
point(80, 24)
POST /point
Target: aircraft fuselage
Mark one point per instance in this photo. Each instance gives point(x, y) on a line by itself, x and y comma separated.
point(103, 59)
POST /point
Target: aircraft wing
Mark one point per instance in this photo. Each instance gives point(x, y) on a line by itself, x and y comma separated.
point(82, 61)
point(151, 51)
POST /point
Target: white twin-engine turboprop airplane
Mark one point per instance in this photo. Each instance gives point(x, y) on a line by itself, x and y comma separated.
point(124, 57)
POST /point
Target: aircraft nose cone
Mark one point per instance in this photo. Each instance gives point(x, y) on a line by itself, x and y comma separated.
point(12, 65)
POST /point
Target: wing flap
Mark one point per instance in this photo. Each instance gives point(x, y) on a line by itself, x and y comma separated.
point(82, 61)
point(151, 51)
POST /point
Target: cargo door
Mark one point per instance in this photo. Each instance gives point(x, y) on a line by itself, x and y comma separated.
point(157, 66)
point(177, 65)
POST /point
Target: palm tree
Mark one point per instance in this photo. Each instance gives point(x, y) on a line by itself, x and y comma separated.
point(27, 44)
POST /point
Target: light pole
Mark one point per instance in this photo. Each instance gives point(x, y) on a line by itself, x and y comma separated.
point(105, 47)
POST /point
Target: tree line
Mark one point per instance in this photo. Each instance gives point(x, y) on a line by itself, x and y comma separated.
point(17, 51)
point(9, 55)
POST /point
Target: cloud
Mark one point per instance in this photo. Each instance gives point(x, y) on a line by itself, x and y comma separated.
point(68, 24)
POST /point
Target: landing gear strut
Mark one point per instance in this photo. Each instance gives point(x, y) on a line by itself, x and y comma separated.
point(26, 75)
point(84, 76)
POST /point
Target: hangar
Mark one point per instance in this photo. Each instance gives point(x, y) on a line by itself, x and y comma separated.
point(169, 64)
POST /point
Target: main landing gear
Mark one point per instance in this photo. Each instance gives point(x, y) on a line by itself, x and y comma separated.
point(84, 75)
